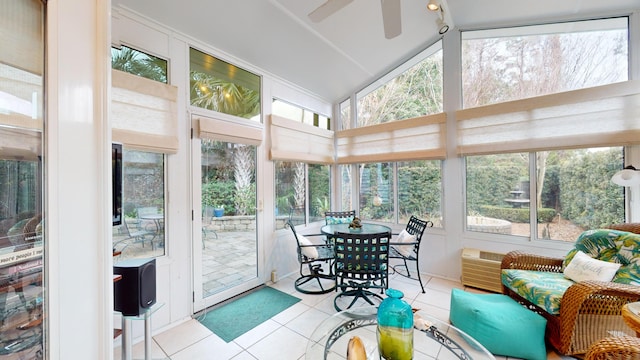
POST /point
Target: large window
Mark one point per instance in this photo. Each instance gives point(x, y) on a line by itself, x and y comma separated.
point(534, 187)
point(293, 112)
point(22, 221)
point(219, 86)
point(141, 234)
point(412, 90)
point(139, 63)
point(514, 63)
point(417, 190)
point(570, 192)
point(293, 201)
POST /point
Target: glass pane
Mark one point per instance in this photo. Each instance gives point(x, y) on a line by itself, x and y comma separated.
point(346, 183)
point(420, 191)
point(575, 191)
point(290, 193)
point(141, 234)
point(22, 236)
point(508, 62)
point(345, 115)
point(138, 63)
point(219, 86)
point(415, 92)
point(498, 194)
point(319, 191)
point(229, 242)
point(376, 192)
point(293, 112)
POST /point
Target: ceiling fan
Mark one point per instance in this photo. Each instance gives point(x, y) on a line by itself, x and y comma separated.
point(390, 14)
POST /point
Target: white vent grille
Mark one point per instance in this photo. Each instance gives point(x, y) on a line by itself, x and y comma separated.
point(481, 269)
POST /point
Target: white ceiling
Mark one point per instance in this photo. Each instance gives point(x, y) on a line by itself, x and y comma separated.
point(348, 50)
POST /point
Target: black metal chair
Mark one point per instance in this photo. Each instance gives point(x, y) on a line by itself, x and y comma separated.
point(361, 264)
point(408, 251)
point(315, 257)
point(335, 217)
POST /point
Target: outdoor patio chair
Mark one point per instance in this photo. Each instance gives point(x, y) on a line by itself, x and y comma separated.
point(316, 258)
point(406, 247)
point(339, 217)
point(138, 236)
point(361, 264)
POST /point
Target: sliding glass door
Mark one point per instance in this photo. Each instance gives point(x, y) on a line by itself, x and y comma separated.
point(225, 238)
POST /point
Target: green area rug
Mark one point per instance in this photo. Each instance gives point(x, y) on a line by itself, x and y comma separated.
point(248, 311)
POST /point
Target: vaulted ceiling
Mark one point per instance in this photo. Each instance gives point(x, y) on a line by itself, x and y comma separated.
point(347, 50)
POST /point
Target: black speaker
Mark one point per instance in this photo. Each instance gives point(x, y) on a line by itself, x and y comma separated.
point(136, 291)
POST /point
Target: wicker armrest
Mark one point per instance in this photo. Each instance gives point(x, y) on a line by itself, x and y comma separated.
point(525, 261)
point(595, 298)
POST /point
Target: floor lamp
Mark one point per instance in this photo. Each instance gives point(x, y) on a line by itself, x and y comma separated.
point(629, 177)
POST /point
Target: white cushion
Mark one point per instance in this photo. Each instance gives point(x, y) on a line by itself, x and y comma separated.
point(583, 267)
point(310, 252)
point(405, 237)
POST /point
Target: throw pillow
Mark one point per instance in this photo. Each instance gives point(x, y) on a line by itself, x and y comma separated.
point(308, 251)
point(337, 220)
point(405, 237)
point(583, 267)
point(500, 324)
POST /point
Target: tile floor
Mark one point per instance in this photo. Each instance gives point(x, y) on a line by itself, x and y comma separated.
point(284, 336)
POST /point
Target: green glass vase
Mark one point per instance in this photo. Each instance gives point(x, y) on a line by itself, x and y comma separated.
point(395, 327)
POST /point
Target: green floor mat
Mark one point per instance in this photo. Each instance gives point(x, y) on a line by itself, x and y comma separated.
point(248, 311)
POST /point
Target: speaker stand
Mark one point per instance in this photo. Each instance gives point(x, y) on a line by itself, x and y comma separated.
point(126, 332)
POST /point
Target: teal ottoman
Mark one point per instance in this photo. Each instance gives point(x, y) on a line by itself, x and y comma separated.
point(500, 324)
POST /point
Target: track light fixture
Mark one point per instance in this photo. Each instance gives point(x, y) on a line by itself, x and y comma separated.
point(433, 5)
point(443, 27)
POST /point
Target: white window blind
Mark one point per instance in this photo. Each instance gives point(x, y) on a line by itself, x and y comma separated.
point(143, 113)
point(228, 131)
point(22, 23)
point(294, 141)
point(600, 116)
point(419, 138)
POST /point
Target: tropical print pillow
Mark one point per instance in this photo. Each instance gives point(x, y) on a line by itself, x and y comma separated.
point(337, 220)
point(613, 246)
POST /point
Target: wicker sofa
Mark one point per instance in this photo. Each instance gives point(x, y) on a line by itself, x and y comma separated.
point(578, 313)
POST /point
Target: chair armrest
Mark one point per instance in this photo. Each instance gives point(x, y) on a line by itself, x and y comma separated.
point(524, 261)
point(595, 298)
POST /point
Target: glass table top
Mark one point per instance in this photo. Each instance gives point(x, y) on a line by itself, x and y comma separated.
point(432, 339)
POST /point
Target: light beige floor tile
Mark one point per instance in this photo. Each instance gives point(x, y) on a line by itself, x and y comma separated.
point(181, 336)
point(436, 298)
point(256, 334)
point(137, 352)
point(307, 322)
point(211, 347)
point(282, 344)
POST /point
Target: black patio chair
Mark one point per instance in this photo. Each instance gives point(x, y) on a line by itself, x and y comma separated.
point(361, 264)
point(409, 250)
point(337, 217)
point(317, 258)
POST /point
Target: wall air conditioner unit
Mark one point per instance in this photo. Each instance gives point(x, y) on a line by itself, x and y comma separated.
point(481, 269)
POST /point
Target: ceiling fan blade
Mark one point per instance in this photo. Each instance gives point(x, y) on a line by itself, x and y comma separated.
point(327, 9)
point(391, 18)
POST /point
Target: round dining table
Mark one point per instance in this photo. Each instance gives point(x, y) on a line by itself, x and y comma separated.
point(367, 228)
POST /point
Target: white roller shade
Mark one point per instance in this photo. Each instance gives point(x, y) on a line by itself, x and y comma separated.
point(600, 116)
point(294, 141)
point(143, 113)
point(25, 17)
point(411, 139)
point(228, 131)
